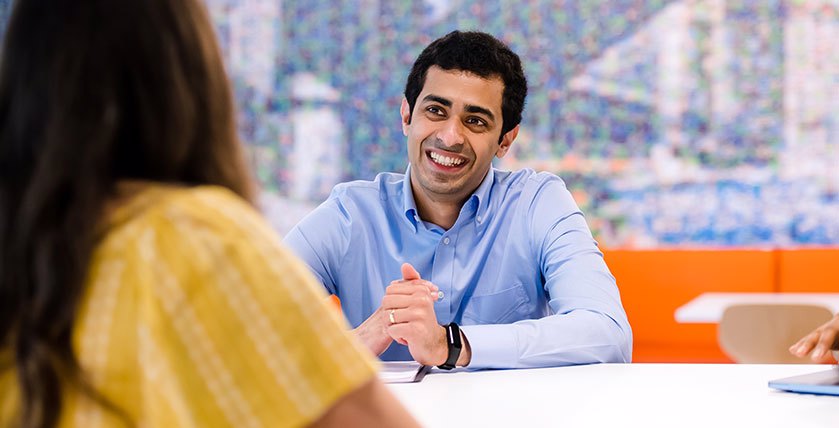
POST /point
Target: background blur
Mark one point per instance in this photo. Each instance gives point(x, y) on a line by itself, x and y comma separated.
point(704, 123)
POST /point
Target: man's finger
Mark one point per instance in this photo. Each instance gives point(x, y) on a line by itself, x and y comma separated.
point(411, 288)
point(398, 332)
point(408, 272)
point(409, 315)
point(396, 301)
point(428, 284)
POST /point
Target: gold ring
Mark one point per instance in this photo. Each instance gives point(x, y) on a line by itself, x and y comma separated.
point(390, 317)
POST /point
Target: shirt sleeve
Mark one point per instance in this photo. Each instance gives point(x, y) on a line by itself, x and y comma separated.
point(237, 331)
point(587, 322)
point(321, 239)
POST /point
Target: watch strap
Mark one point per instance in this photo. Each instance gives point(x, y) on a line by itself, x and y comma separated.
point(454, 344)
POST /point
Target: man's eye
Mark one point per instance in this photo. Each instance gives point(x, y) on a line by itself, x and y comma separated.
point(434, 110)
point(476, 121)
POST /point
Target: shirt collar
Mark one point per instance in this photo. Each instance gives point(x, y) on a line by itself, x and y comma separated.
point(408, 203)
point(480, 195)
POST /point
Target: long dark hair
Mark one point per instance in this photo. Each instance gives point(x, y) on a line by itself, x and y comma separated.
point(93, 93)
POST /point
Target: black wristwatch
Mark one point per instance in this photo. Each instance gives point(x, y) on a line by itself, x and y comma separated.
point(455, 345)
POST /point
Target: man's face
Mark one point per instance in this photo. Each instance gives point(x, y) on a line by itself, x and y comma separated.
point(453, 134)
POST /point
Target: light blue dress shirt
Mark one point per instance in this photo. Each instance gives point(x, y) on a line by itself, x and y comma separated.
point(519, 270)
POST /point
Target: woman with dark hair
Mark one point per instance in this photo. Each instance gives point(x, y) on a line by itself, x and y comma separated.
point(138, 286)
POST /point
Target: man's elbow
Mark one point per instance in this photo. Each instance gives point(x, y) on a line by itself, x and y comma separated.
point(621, 340)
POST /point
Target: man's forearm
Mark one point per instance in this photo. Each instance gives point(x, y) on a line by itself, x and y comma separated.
point(580, 337)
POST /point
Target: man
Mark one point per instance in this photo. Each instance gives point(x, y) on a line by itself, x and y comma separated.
point(506, 255)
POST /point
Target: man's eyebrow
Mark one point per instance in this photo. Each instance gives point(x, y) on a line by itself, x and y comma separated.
point(480, 110)
point(438, 100)
point(469, 108)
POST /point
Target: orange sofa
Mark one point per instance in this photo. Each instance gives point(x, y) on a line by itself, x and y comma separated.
point(812, 270)
point(654, 283)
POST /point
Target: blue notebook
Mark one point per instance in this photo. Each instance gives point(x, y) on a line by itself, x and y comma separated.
point(824, 383)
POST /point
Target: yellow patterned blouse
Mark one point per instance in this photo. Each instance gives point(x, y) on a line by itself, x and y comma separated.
point(194, 315)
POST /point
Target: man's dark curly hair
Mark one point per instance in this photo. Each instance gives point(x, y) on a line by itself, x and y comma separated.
point(480, 54)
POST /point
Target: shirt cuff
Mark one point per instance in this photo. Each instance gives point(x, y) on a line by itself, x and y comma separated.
point(493, 346)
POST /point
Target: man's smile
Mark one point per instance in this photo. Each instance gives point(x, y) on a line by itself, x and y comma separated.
point(448, 161)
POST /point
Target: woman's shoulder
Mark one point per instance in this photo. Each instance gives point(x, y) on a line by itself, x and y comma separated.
point(169, 212)
point(153, 203)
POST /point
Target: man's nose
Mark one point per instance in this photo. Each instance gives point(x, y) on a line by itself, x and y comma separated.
point(451, 133)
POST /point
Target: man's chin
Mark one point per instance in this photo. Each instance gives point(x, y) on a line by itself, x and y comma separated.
point(445, 192)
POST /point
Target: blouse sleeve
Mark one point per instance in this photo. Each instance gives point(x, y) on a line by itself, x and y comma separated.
point(237, 332)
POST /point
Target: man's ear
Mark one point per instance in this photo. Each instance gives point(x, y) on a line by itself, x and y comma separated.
point(506, 142)
point(405, 111)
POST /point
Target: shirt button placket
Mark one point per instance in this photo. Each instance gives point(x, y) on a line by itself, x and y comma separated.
point(443, 270)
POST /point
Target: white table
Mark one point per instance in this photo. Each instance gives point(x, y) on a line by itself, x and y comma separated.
point(618, 396)
point(708, 307)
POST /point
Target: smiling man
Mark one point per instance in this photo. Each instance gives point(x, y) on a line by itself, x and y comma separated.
point(457, 262)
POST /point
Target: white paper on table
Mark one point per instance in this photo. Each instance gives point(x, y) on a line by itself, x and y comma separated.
point(402, 371)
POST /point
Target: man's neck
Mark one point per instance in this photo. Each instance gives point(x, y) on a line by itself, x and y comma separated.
point(441, 210)
point(441, 213)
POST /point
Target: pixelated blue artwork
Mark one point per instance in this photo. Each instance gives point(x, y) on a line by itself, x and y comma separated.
point(674, 123)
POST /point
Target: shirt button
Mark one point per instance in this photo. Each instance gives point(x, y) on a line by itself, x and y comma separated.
point(440, 295)
point(446, 240)
point(479, 219)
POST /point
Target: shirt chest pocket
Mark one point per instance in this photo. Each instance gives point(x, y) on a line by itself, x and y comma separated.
point(500, 307)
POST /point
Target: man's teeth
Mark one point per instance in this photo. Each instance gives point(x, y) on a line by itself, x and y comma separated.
point(445, 160)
